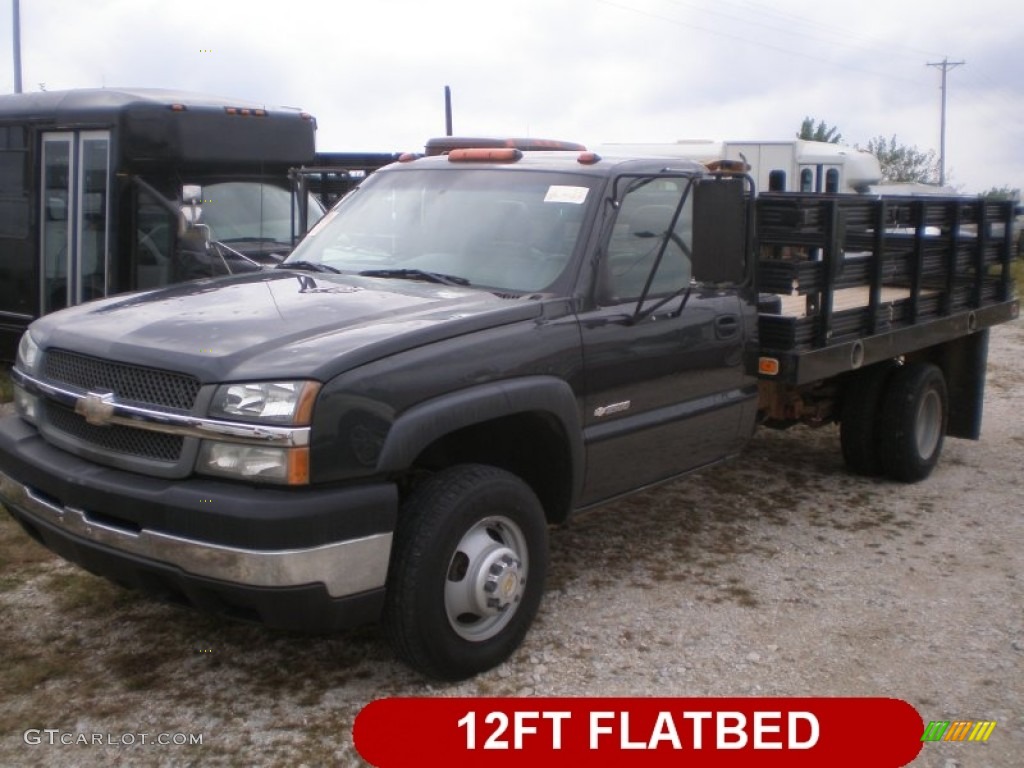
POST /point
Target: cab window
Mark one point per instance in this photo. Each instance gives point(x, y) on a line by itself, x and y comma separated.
point(643, 229)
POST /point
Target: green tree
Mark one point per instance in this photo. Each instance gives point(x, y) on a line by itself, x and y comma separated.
point(820, 132)
point(902, 163)
point(1004, 192)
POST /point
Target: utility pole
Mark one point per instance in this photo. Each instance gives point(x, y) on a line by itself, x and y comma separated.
point(945, 65)
point(447, 111)
point(17, 47)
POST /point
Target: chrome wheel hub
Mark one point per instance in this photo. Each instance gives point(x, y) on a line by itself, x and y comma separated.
point(486, 578)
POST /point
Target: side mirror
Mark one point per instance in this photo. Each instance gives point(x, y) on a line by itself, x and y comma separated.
point(191, 212)
point(720, 235)
point(191, 194)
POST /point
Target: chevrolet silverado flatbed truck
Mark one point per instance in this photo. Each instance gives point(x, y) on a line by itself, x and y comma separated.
point(470, 348)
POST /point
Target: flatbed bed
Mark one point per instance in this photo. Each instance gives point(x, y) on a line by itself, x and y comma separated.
point(859, 279)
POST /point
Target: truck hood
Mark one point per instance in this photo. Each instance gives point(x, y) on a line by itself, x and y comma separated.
point(286, 323)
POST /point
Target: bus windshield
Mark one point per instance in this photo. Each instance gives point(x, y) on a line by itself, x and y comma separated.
point(246, 212)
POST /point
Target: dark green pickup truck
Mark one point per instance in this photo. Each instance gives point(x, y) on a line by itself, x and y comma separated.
point(470, 348)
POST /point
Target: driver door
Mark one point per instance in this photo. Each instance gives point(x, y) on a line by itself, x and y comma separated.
point(663, 351)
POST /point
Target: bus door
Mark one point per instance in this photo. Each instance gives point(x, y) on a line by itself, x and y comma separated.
point(74, 223)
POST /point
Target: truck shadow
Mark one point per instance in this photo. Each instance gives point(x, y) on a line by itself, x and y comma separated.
point(685, 530)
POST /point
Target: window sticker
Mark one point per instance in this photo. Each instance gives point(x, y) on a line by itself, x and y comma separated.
point(558, 193)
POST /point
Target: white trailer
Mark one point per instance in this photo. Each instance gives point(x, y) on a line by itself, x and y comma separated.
point(791, 165)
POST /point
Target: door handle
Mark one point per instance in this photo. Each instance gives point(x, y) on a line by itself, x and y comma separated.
point(727, 326)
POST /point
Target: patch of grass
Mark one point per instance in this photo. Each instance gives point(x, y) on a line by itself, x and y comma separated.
point(742, 596)
point(78, 591)
point(31, 667)
point(16, 548)
point(1017, 274)
point(138, 669)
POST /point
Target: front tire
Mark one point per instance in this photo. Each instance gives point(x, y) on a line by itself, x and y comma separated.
point(914, 416)
point(467, 571)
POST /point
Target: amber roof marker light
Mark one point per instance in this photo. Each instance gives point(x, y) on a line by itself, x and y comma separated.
point(727, 166)
point(485, 155)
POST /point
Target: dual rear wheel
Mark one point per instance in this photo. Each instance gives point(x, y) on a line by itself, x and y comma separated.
point(893, 420)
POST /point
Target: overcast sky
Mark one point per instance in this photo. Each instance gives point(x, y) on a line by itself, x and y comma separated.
point(373, 72)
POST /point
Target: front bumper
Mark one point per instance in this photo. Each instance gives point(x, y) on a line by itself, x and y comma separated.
point(310, 559)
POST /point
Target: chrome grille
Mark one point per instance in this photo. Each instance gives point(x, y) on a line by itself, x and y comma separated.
point(129, 383)
point(115, 438)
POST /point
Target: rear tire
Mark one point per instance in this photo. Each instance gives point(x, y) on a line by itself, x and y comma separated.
point(467, 571)
point(859, 420)
point(914, 416)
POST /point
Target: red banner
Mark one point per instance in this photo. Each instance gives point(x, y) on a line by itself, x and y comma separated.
point(749, 732)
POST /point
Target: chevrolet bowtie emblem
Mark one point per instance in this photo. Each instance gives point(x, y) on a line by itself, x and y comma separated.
point(96, 407)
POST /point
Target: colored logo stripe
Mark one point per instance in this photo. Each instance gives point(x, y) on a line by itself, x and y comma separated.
point(982, 730)
point(958, 730)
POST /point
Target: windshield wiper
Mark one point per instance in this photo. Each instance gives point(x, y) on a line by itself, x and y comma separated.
point(312, 266)
point(416, 274)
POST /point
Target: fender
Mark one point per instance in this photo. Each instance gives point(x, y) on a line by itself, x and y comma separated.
point(424, 423)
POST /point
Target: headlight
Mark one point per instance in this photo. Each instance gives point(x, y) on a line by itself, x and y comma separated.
point(289, 466)
point(26, 404)
point(272, 402)
point(28, 353)
point(283, 403)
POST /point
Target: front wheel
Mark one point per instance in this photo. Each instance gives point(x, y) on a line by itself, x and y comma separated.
point(913, 422)
point(467, 571)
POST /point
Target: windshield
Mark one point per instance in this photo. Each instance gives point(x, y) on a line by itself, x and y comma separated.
point(500, 229)
point(238, 211)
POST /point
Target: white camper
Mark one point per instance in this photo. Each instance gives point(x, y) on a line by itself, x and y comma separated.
point(792, 165)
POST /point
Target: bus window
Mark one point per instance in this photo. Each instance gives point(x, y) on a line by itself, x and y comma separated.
point(832, 181)
point(806, 180)
point(154, 241)
point(14, 215)
point(56, 235)
point(93, 217)
point(777, 181)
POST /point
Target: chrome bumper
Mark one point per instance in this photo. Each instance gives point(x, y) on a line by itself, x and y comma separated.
point(344, 567)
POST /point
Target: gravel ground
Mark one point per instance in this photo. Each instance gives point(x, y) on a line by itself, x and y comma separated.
point(775, 574)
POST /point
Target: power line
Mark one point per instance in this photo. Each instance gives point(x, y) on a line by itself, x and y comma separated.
point(846, 35)
point(801, 26)
point(717, 31)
